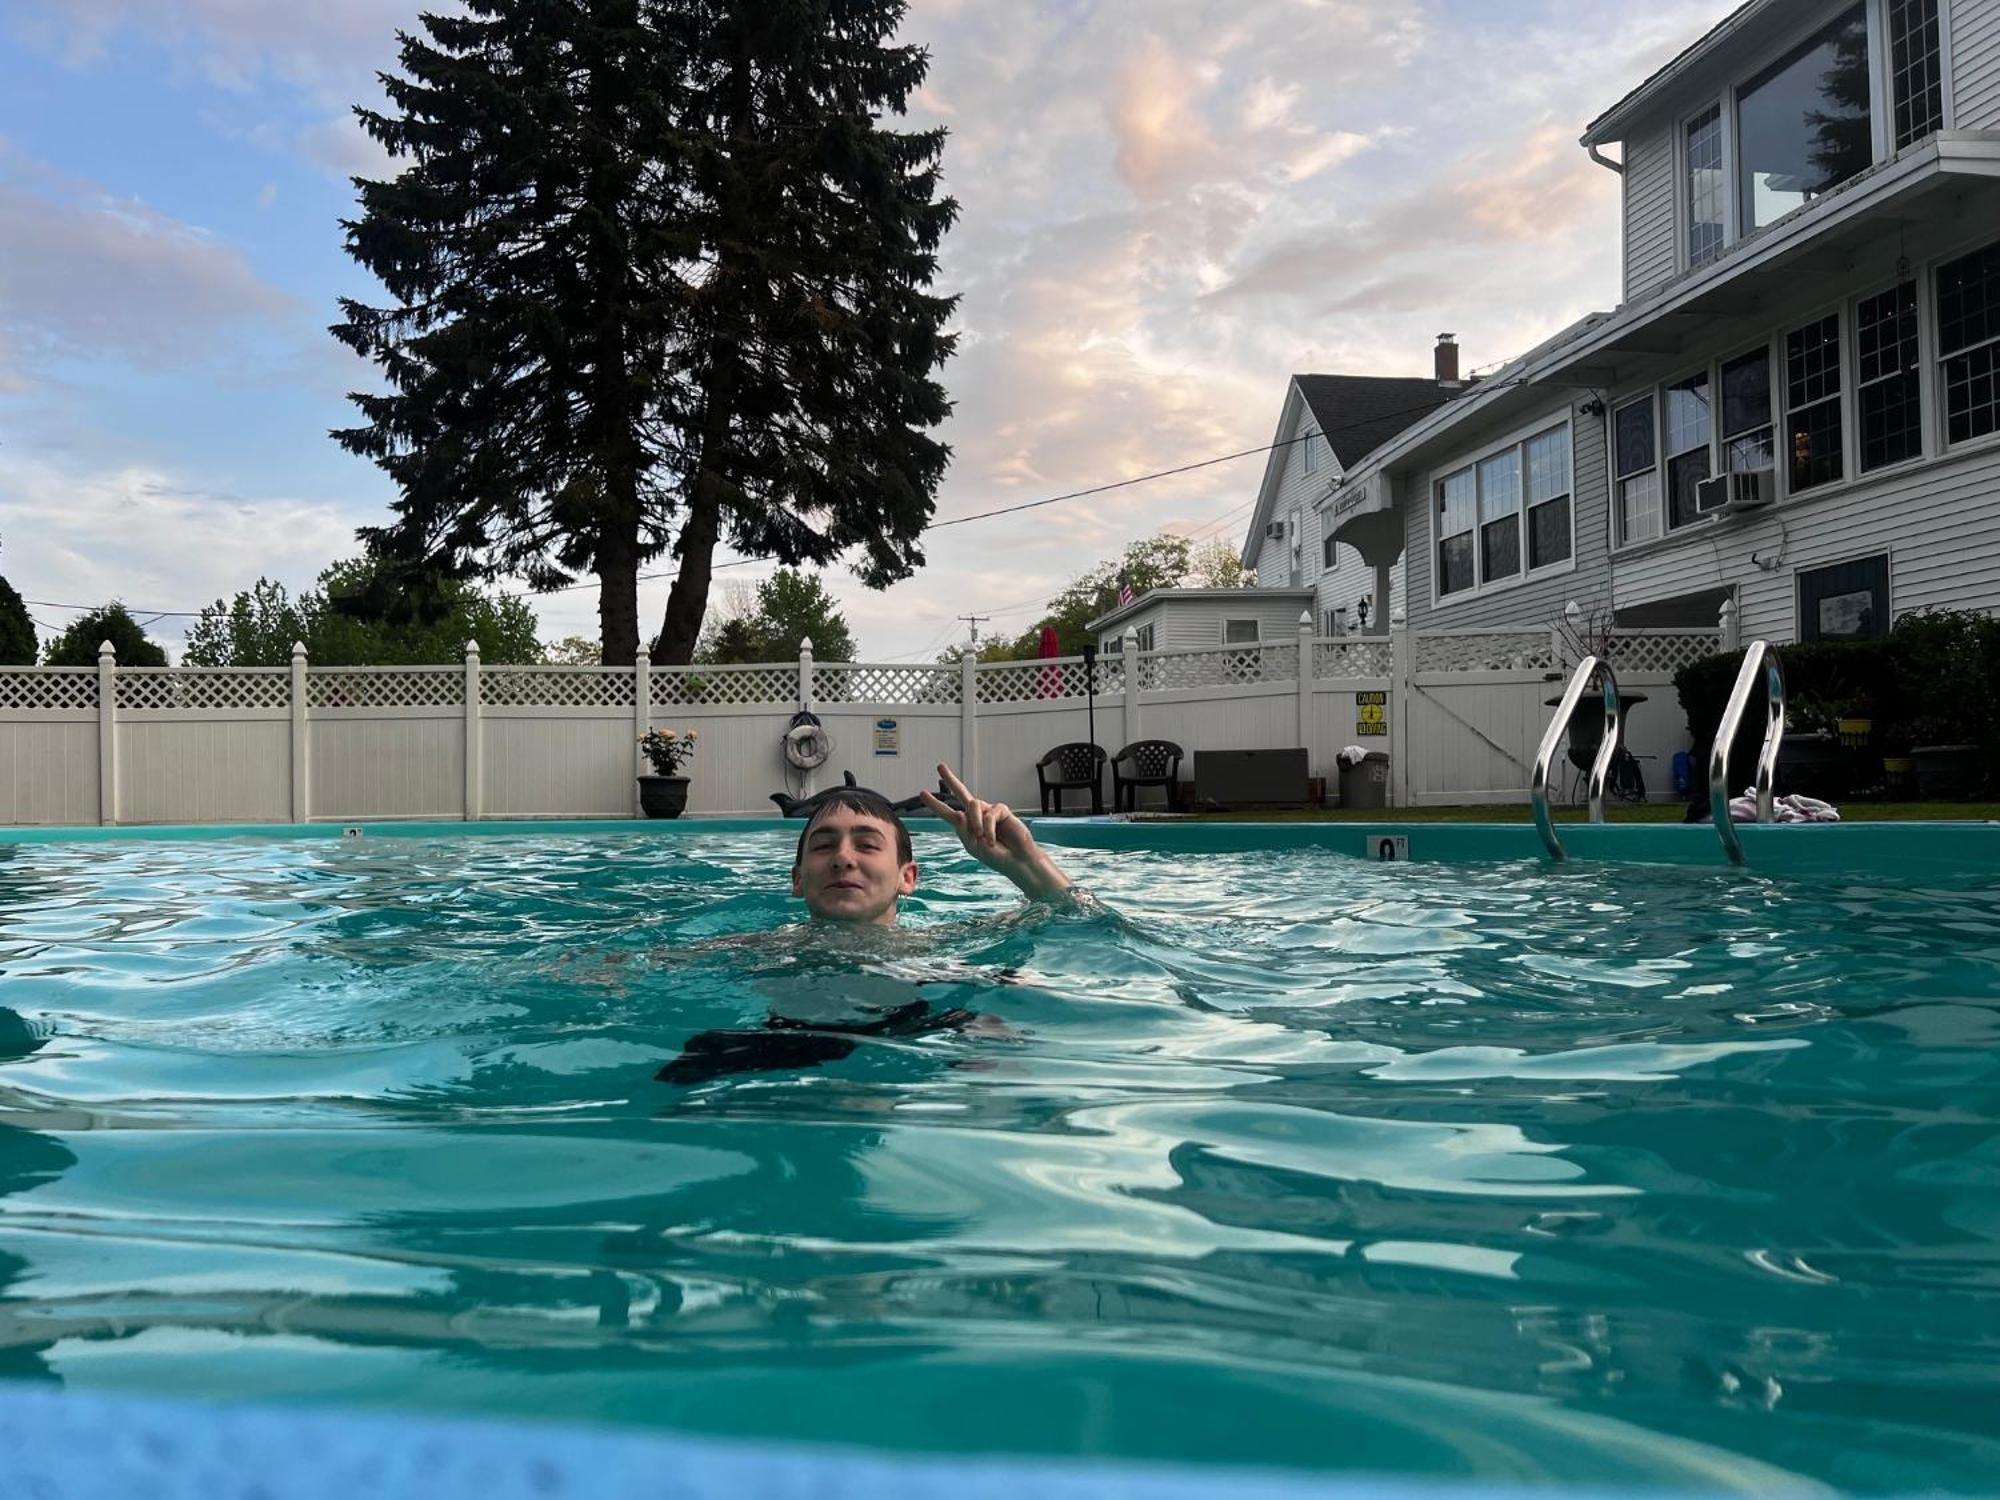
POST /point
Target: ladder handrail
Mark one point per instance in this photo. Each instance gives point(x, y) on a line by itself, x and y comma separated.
point(1607, 750)
point(1758, 657)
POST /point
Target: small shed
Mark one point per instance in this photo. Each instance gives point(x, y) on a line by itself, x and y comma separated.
point(1190, 619)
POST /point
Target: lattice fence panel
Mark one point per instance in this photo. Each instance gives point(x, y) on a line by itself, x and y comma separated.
point(775, 686)
point(1350, 658)
point(857, 682)
point(1225, 666)
point(1663, 652)
point(1487, 651)
point(1047, 681)
point(385, 687)
point(49, 687)
point(557, 687)
point(196, 687)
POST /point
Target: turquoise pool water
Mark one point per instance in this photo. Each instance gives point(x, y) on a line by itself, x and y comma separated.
point(1612, 1173)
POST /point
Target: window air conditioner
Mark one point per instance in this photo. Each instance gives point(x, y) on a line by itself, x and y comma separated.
point(1732, 494)
point(1275, 532)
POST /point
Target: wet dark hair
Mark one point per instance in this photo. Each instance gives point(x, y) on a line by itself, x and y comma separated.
point(858, 799)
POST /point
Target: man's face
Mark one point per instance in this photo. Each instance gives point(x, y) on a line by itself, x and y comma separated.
point(849, 871)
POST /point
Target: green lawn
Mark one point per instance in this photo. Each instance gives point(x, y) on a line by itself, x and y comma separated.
point(1616, 812)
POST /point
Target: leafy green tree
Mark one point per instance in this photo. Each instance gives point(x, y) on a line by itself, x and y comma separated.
point(791, 607)
point(17, 630)
point(1216, 564)
point(1159, 562)
point(572, 651)
point(77, 646)
point(657, 275)
point(353, 618)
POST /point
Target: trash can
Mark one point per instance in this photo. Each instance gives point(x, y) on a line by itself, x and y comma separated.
point(1366, 784)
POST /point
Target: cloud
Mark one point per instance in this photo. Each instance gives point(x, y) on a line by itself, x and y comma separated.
point(85, 274)
point(86, 536)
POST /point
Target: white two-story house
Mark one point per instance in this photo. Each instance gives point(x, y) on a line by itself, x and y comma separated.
point(1796, 405)
point(1327, 423)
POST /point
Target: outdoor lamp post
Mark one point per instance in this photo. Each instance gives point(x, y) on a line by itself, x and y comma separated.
point(1090, 687)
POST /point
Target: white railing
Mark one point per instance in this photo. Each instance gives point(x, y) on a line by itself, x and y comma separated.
point(467, 740)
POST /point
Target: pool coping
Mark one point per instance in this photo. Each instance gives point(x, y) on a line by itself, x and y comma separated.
point(1889, 849)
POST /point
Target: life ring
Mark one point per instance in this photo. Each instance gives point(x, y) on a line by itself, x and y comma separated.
point(808, 746)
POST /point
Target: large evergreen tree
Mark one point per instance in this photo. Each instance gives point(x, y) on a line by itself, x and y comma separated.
point(659, 276)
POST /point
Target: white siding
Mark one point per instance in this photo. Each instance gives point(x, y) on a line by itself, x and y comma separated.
point(1940, 525)
point(1192, 624)
point(48, 770)
point(236, 768)
point(1298, 493)
point(1975, 64)
point(1651, 244)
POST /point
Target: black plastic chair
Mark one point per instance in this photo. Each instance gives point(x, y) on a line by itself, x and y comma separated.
point(1152, 763)
point(1076, 764)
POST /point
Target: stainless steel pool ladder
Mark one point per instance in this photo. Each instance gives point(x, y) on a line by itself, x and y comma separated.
point(1758, 658)
point(1607, 749)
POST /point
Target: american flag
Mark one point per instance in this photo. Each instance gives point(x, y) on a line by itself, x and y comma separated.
point(1125, 594)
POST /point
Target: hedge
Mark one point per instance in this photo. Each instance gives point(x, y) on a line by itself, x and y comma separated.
point(1934, 680)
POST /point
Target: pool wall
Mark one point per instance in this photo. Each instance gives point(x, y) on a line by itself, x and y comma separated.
point(1890, 850)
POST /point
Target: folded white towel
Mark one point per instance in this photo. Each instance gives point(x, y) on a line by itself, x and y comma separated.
point(1792, 809)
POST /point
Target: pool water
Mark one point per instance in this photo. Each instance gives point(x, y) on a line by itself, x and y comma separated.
point(1603, 1174)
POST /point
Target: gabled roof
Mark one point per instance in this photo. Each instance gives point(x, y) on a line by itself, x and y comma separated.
point(1612, 124)
point(1359, 413)
point(1356, 414)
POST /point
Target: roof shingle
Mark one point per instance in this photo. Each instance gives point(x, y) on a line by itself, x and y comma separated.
point(1359, 413)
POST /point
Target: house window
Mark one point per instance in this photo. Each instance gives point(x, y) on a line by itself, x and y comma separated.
point(1239, 632)
point(1142, 638)
point(1500, 516)
point(1968, 318)
point(1890, 408)
point(1690, 423)
point(1638, 471)
point(1746, 412)
point(1846, 602)
point(1548, 498)
point(1915, 69)
point(1505, 514)
point(1458, 507)
point(1329, 554)
point(1803, 125)
point(1312, 451)
point(1704, 186)
point(1114, 645)
point(1812, 403)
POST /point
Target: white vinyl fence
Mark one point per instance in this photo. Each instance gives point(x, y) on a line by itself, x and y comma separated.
point(1463, 713)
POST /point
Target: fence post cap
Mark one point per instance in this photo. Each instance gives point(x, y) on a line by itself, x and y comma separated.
point(106, 649)
point(298, 649)
point(806, 646)
point(1305, 619)
point(472, 648)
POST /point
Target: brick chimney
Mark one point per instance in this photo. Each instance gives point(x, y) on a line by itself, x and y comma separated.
point(1447, 359)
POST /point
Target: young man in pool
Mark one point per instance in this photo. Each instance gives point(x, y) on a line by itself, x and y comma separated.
point(854, 862)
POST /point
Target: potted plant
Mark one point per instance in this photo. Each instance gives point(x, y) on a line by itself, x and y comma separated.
point(664, 794)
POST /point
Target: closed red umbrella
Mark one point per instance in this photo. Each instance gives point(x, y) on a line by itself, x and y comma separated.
point(1051, 676)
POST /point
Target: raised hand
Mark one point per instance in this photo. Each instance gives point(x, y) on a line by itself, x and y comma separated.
point(997, 839)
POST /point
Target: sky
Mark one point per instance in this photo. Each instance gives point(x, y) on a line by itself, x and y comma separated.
point(1167, 208)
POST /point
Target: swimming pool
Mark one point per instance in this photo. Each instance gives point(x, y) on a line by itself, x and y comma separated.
point(1471, 1167)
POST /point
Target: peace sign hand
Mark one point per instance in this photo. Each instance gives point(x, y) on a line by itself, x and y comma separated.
point(997, 839)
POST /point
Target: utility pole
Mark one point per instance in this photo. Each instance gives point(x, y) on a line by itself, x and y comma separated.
point(974, 622)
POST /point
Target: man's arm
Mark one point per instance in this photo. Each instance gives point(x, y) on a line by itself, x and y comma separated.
point(999, 840)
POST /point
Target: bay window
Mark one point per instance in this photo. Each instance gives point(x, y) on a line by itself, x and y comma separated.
point(1888, 385)
point(1916, 71)
point(1812, 403)
point(1507, 514)
point(1803, 125)
point(1457, 508)
point(1968, 335)
point(1636, 469)
point(1689, 425)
